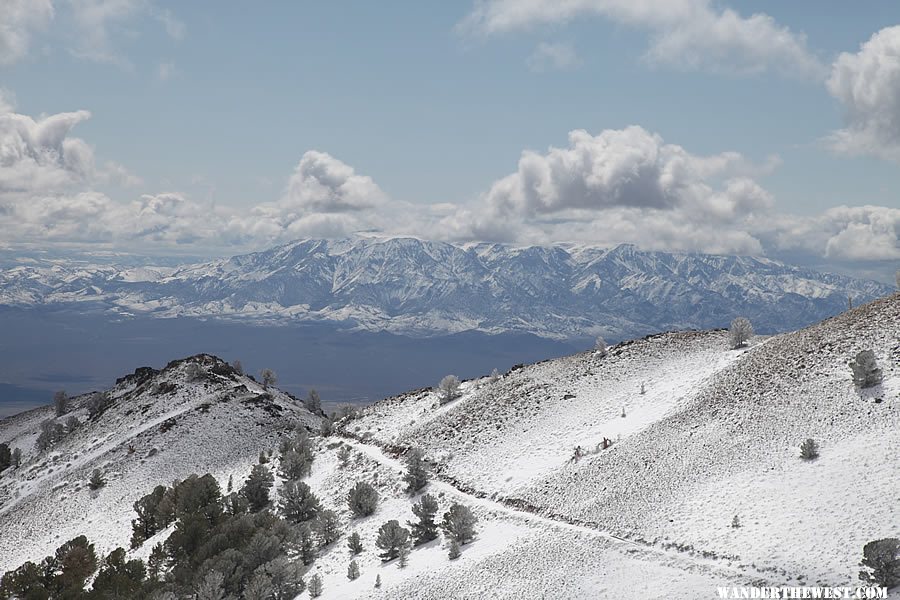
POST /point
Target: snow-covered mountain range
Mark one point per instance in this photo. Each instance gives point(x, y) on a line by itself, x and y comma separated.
point(421, 288)
point(702, 486)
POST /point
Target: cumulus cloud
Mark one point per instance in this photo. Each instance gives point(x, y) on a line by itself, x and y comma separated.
point(867, 84)
point(19, 19)
point(558, 56)
point(686, 34)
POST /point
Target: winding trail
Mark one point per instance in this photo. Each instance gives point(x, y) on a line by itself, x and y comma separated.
point(680, 559)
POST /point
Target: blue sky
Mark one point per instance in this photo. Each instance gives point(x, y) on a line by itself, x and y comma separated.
point(421, 108)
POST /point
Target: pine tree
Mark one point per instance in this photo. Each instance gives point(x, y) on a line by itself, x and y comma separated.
point(378, 580)
point(353, 570)
point(344, 456)
point(809, 449)
point(403, 556)
point(328, 526)
point(391, 538)
point(454, 551)
point(416, 476)
point(736, 522)
point(882, 559)
point(268, 378)
point(306, 544)
point(459, 524)
point(97, 480)
point(425, 529)
point(256, 488)
point(354, 542)
point(61, 403)
point(17, 457)
point(448, 389)
point(362, 499)
point(315, 586)
point(313, 402)
point(866, 372)
point(298, 503)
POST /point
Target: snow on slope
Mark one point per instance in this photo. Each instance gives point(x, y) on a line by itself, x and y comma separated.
point(160, 427)
point(716, 434)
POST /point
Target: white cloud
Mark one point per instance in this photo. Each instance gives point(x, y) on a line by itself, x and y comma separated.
point(686, 34)
point(553, 57)
point(867, 84)
point(19, 19)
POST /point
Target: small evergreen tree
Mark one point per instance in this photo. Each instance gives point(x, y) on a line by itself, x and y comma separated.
point(306, 544)
point(454, 551)
point(425, 529)
point(866, 372)
point(809, 449)
point(315, 586)
point(362, 499)
point(328, 526)
point(238, 367)
point(600, 346)
point(256, 488)
point(97, 480)
point(61, 403)
point(268, 378)
point(448, 389)
point(297, 454)
point(17, 457)
point(327, 427)
point(192, 371)
point(210, 587)
point(736, 522)
point(313, 402)
point(298, 503)
point(263, 459)
point(391, 538)
point(881, 559)
point(740, 332)
point(494, 377)
point(459, 524)
point(403, 556)
point(343, 456)
point(353, 571)
point(378, 580)
point(354, 542)
point(416, 476)
point(72, 423)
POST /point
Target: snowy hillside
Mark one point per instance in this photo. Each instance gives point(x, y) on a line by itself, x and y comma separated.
point(696, 434)
point(421, 288)
point(158, 427)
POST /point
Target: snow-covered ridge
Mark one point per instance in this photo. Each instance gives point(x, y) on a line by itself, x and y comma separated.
point(423, 288)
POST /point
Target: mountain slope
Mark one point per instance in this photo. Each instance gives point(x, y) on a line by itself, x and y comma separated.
point(159, 426)
point(425, 288)
point(715, 435)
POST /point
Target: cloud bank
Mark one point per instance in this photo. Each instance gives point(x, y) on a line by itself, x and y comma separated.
point(684, 34)
point(625, 185)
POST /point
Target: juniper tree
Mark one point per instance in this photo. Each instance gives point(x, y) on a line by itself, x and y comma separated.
point(391, 538)
point(735, 522)
point(881, 558)
point(298, 503)
point(425, 529)
point(866, 372)
point(494, 376)
point(809, 449)
point(740, 332)
point(97, 404)
point(378, 580)
point(51, 432)
point(352, 570)
point(315, 586)
point(256, 488)
point(354, 543)
point(61, 403)
point(268, 378)
point(459, 524)
point(600, 346)
point(362, 499)
point(448, 388)
point(416, 476)
point(72, 423)
point(328, 526)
